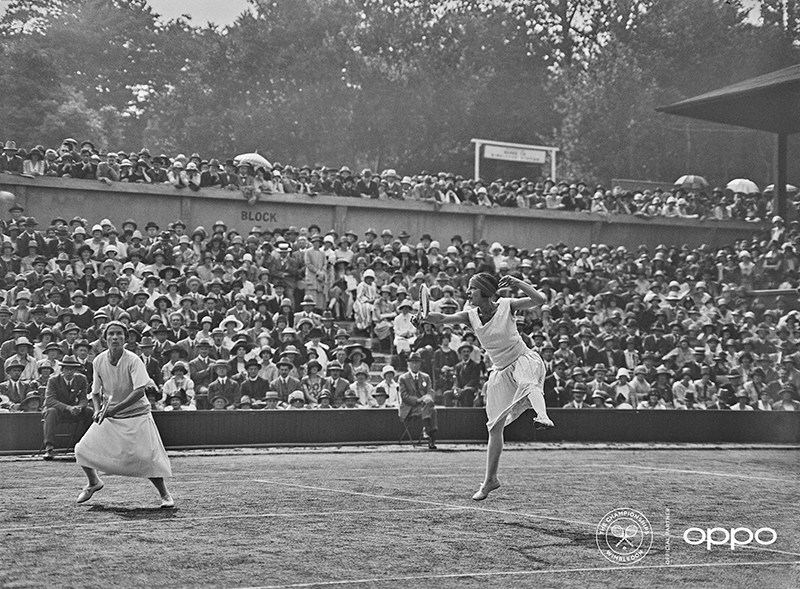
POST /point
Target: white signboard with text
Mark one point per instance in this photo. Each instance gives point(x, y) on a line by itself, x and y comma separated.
point(515, 154)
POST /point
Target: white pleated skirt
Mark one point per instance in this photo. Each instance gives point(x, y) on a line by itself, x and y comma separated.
point(130, 447)
point(508, 389)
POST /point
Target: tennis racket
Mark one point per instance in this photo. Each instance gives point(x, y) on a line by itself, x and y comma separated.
point(424, 301)
point(624, 534)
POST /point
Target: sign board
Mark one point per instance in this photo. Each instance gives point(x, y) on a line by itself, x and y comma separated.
point(515, 154)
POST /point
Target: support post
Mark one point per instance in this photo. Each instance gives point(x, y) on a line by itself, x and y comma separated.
point(780, 176)
point(477, 160)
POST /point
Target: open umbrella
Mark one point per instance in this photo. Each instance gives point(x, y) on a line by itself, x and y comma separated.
point(789, 188)
point(255, 159)
point(691, 182)
point(742, 186)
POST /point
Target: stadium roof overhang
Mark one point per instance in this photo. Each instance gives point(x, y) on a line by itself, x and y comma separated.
point(767, 103)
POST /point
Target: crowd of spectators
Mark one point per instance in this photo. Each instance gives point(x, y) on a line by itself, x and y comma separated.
point(85, 161)
point(295, 317)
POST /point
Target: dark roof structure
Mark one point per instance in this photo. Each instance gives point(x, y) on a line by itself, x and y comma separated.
point(768, 103)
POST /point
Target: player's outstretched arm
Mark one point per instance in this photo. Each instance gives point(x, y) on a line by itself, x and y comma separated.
point(532, 298)
point(441, 318)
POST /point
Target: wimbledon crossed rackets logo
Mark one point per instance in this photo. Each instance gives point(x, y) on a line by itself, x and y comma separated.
point(624, 536)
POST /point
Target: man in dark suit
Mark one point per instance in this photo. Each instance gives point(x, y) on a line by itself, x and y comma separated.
point(336, 383)
point(201, 371)
point(467, 379)
point(10, 161)
point(611, 357)
point(113, 310)
point(176, 329)
point(151, 363)
point(218, 351)
point(224, 386)
point(285, 384)
point(6, 325)
point(189, 343)
point(65, 400)
point(140, 312)
point(416, 397)
point(284, 267)
point(587, 354)
point(82, 348)
point(14, 387)
point(253, 385)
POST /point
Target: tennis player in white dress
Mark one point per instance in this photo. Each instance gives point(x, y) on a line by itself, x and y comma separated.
point(517, 379)
point(123, 439)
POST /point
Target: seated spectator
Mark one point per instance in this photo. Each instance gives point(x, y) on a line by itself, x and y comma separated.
point(351, 400)
point(220, 403)
point(254, 385)
point(578, 391)
point(416, 395)
point(361, 386)
point(601, 400)
point(654, 401)
point(177, 401)
point(742, 401)
point(297, 400)
point(224, 386)
point(380, 398)
point(787, 401)
point(154, 396)
point(324, 400)
point(32, 403)
point(181, 384)
point(405, 332)
point(65, 400)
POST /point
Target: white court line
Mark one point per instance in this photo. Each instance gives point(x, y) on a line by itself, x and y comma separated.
point(477, 508)
point(128, 522)
point(709, 473)
point(523, 573)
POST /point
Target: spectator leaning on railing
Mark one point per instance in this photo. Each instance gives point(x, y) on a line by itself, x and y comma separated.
point(85, 161)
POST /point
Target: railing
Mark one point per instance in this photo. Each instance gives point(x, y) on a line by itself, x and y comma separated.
point(46, 198)
point(22, 432)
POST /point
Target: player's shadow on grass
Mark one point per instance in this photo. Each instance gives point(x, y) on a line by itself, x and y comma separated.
point(154, 513)
point(575, 537)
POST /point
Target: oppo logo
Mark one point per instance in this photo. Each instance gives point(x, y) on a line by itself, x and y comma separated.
point(735, 537)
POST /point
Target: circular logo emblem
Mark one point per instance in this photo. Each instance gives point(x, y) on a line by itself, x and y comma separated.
point(624, 536)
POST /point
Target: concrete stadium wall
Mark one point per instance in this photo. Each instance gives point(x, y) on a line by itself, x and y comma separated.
point(22, 432)
point(45, 198)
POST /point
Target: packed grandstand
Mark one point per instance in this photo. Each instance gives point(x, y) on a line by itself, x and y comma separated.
point(256, 178)
point(303, 317)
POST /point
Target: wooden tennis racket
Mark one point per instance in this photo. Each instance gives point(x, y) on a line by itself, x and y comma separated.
point(424, 301)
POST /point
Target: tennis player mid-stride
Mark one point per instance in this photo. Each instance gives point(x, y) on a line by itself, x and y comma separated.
point(517, 379)
point(123, 439)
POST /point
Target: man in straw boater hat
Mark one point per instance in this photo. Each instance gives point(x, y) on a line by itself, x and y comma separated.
point(123, 439)
point(517, 379)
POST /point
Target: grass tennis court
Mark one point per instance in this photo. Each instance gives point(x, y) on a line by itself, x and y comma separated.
point(402, 517)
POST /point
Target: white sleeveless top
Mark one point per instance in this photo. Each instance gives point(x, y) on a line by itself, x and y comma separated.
point(499, 337)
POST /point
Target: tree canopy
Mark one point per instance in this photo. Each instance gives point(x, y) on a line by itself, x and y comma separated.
point(397, 83)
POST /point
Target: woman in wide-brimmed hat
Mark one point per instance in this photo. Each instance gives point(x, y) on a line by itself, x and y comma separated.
point(180, 384)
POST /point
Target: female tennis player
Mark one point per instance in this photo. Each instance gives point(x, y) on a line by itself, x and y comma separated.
point(517, 379)
point(123, 439)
